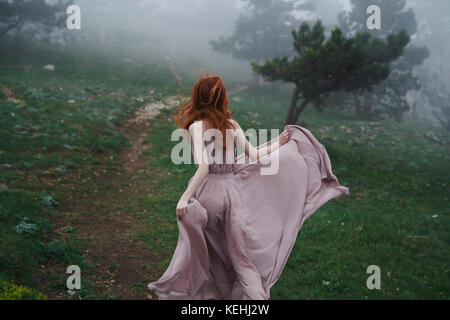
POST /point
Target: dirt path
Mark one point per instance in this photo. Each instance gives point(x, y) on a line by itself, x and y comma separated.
point(122, 265)
point(238, 89)
point(170, 58)
point(107, 220)
point(170, 63)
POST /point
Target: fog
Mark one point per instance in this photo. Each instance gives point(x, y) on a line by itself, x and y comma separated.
point(180, 30)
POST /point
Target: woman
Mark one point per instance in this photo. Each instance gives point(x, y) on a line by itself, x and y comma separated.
point(237, 225)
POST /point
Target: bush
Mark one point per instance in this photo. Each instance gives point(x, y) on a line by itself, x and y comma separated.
point(10, 291)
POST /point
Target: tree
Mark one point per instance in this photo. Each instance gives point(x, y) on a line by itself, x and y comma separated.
point(431, 102)
point(322, 66)
point(389, 97)
point(442, 112)
point(14, 15)
point(263, 32)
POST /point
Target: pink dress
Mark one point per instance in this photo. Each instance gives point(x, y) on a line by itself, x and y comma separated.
point(241, 226)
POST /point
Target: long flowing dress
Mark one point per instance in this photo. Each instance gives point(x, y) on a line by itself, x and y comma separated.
point(241, 225)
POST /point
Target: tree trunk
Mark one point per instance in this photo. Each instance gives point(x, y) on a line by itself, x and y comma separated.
point(255, 80)
point(294, 99)
point(11, 26)
point(363, 108)
point(294, 110)
point(300, 109)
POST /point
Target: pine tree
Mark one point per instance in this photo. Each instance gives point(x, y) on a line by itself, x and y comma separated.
point(263, 32)
point(43, 16)
point(388, 99)
point(434, 95)
point(338, 63)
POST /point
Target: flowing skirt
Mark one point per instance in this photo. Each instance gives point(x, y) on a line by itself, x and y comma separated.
point(241, 226)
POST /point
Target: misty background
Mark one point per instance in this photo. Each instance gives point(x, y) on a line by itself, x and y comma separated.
point(137, 31)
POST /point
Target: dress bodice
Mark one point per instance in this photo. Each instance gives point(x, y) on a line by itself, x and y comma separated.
point(219, 164)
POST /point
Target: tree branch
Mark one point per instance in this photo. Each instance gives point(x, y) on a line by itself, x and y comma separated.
point(11, 26)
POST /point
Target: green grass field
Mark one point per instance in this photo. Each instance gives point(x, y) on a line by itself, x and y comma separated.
point(60, 128)
point(57, 129)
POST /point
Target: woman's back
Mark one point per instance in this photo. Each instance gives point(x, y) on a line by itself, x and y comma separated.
point(220, 160)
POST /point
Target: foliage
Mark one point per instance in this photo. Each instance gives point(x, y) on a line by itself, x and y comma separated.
point(17, 14)
point(435, 72)
point(261, 33)
point(25, 229)
point(327, 65)
point(10, 291)
point(387, 99)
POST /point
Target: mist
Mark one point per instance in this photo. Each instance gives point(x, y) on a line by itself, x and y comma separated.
point(180, 31)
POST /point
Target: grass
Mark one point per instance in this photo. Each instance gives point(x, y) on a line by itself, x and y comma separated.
point(59, 129)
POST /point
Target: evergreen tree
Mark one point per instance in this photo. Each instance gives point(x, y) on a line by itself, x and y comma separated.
point(14, 15)
point(339, 63)
point(434, 94)
point(388, 99)
point(263, 32)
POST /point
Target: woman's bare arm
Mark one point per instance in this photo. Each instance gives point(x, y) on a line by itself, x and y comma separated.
point(196, 132)
point(254, 153)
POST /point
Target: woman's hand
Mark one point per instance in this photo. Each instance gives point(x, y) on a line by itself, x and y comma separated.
point(182, 207)
point(284, 137)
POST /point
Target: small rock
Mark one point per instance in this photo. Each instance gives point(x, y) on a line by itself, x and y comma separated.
point(49, 67)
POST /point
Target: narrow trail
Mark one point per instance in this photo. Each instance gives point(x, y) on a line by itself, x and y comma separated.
point(109, 222)
point(238, 89)
point(172, 56)
point(170, 63)
point(107, 218)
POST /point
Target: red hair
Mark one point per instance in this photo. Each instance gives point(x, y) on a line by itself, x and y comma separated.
point(209, 102)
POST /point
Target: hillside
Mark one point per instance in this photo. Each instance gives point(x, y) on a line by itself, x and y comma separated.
point(86, 179)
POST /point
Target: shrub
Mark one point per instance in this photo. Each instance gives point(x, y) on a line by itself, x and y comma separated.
point(10, 291)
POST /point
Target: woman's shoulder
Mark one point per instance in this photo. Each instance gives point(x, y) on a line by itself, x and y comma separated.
point(234, 123)
point(202, 126)
point(197, 124)
point(197, 129)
